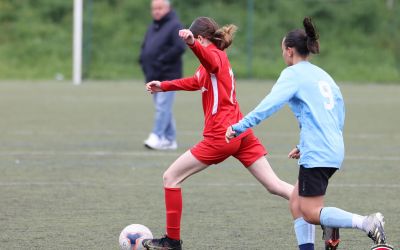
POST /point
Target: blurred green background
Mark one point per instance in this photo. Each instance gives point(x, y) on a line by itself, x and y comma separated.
point(360, 39)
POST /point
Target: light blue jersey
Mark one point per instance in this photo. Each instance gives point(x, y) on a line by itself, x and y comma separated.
point(318, 105)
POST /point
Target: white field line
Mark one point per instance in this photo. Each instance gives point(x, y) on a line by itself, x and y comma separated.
point(163, 154)
point(243, 184)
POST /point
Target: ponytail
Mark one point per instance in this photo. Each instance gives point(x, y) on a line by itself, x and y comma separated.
point(312, 36)
point(208, 28)
point(304, 41)
point(223, 37)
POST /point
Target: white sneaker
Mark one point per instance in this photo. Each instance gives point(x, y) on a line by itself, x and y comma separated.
point(169, 145)
point(154, 142)
point(157, 143)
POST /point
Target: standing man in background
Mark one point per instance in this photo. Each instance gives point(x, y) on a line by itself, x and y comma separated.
point(161, 59)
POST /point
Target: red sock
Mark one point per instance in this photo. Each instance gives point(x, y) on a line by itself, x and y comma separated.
point(173, 206)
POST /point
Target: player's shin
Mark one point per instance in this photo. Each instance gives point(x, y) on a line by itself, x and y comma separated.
point(173, 206)
point(336, 218)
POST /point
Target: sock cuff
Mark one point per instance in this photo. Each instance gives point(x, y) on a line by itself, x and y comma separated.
point(357, 221)
point(172, 189)
point(322, 216)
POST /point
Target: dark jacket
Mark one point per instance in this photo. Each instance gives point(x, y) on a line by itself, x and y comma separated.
point(162, 49)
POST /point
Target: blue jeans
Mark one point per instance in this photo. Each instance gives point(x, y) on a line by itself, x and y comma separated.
point(164, 122)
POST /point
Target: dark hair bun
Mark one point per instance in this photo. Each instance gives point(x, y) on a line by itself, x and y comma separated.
point(312, 35)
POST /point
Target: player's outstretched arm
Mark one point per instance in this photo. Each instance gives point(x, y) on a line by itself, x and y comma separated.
point(206, 58)
point(283, 90)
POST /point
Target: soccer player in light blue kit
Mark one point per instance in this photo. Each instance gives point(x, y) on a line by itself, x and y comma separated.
point(318, 105)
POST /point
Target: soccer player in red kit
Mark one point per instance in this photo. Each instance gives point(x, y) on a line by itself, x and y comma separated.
point(215, 79)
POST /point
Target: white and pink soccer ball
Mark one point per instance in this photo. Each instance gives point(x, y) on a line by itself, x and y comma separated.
point(132, 236)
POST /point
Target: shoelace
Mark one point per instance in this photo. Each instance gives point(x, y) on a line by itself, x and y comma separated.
point(376, 236)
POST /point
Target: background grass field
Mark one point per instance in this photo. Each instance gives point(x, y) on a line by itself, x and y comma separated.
point(74, 171)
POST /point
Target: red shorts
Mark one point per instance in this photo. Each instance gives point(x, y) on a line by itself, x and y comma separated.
point(247, 150)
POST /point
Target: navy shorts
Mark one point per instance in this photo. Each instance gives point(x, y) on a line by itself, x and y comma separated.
point(314, 181)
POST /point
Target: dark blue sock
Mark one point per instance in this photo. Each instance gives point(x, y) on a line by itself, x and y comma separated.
point(307, 246)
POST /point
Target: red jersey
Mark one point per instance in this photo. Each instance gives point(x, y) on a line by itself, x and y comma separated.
point(214, 77)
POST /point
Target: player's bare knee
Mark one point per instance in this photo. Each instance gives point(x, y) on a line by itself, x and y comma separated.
point(169, 180)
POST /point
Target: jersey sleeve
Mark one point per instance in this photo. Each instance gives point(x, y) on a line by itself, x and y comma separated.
point(208, 58)
point(188, 84)
point(283, 90)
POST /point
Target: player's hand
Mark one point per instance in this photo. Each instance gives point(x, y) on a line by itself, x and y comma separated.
point(294, 154)
point(187, 36)
point(153, 86)
point(230, 133)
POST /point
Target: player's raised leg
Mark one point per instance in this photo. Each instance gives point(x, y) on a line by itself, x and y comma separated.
point(185, 166)
point(372, 224)
point(251, 153)
point(262, 171)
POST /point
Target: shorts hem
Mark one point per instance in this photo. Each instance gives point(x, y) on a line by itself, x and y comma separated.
point(248, 165)
point(311, 195)
point(197, 158)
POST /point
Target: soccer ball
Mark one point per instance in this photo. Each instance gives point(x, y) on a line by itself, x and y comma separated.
point(132, 236)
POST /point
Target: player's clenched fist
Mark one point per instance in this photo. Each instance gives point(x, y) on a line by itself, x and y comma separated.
point(187, 36)
point(153, 86)
point(230, 133)
point(294, 153)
